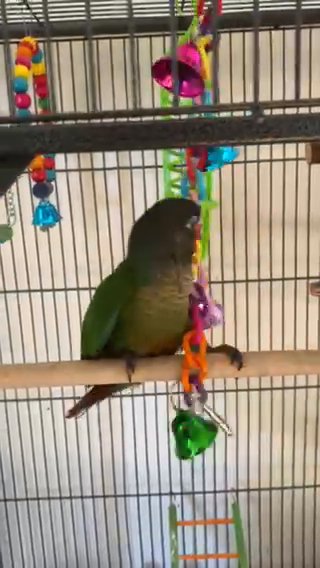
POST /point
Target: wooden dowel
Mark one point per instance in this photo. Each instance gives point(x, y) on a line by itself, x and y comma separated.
point(222, 556)
point(256, 364)
point(312, 150)
point(205, 522)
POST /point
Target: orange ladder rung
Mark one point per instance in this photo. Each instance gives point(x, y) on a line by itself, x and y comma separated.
point(206, 522)
point(222, 556)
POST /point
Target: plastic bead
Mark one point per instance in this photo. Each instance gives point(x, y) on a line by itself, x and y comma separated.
point(42, 189)
point(20, 85)
point(46, 215)
point(22, 100)
point(43, 103)
point(38, 175)
point(22, 60)
point(38, 68)
point(51, 175)
point(40, 80)
point(37, 57)
point(49, 156)
point(24, 51)
point(37, 163)
point(21, 71)
point(23, 112)
point(30, 42)
point(42, 91)
point(49, 163)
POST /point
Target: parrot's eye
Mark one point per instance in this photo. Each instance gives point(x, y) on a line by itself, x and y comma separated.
point(192, 222)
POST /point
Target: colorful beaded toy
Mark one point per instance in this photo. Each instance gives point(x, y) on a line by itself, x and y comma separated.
point(188, 174)
point(30, 60)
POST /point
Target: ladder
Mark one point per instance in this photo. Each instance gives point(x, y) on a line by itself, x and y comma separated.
point(235, 521)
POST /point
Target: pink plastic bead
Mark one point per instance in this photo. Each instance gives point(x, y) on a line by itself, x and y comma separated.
point(22, 100)
point(42, 91)
point(23, 60)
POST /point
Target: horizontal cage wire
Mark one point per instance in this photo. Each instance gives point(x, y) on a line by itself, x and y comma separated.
point(95, 492)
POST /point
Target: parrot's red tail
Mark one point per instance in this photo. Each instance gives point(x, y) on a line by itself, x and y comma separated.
point(93, 396)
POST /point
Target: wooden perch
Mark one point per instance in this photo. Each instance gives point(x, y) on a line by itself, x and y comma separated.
point(313, 153)
point(256, 364)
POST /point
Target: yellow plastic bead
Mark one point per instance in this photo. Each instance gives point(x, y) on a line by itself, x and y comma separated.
point(37, 163)
point(38, 68)
point(21, 71)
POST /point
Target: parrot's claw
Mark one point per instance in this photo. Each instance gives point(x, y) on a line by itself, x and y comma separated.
point(233, 354)
point(130, 365)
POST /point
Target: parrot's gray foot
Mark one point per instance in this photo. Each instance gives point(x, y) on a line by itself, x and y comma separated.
point(233, 354)
point(131, 363)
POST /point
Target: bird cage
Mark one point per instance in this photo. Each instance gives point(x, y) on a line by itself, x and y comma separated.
point(95, 124)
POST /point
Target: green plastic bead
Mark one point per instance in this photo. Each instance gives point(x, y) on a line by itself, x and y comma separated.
point(44, 104)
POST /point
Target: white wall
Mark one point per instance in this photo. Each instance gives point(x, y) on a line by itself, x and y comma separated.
point(67, 481)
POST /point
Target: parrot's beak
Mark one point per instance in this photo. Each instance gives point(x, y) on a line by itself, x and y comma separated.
point(315, 289)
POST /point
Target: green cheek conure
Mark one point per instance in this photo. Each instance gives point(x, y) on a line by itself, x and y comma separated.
point(142, 308)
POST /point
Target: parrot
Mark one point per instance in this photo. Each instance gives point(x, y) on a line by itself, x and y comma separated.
point(142, 308)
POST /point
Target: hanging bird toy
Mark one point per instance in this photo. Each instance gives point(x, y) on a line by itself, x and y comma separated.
point(188, 174)
point(29, 60)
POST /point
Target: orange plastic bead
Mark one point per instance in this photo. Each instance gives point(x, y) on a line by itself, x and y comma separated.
point(37, 163)
point(24, 51)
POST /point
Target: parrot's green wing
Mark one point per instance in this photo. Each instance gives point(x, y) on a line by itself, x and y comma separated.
point(103, 311)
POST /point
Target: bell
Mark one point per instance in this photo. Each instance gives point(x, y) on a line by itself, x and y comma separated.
point(46, 215)
point(193, 434)
point(190, 81)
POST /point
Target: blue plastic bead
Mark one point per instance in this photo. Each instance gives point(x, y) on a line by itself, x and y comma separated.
point(23, 112)
point(46, 215)
point(42, 189)
point(20, 85)
point(37, 57)
point(51, 175)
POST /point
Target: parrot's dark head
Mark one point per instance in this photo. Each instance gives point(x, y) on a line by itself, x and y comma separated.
point(166, 229)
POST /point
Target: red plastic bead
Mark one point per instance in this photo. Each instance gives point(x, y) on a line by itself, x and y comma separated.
point(45, 112)
point(23, 60)
point(40, 80)
point(22, 100)
point(49, 163)
point(42, 91)
point(38, 175)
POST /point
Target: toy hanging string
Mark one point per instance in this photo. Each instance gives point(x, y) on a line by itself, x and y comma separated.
point(29, 60)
